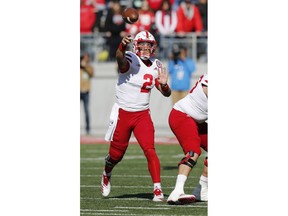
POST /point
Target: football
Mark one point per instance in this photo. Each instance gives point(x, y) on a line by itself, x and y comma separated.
point(130, 15)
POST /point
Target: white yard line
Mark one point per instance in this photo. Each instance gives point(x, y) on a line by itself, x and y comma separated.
point(94, 210)
point(114, 186)
point(93, 168)
point(198, 205)
point(106, 151)
point(129, 207)
point(118, 168)
point(103, 158)
point(98, 213)
point(108, 214)
point(186, 206)
point(133, 176)
point(128, 199)
point(127, 157)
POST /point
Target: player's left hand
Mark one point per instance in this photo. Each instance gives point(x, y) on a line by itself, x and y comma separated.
point(162, 75)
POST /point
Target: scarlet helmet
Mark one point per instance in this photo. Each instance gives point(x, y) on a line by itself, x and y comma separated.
point(144, 37)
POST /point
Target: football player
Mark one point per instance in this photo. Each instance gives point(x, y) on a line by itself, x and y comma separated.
point(188, 120)
point(138, 73)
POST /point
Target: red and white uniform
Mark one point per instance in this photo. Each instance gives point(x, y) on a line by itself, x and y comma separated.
point(133, 87)
point(131, 112)
point(188, 116)
point(195, 104)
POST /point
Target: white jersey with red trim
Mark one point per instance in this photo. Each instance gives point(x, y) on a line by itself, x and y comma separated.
point(195, 104)
point(133, 88)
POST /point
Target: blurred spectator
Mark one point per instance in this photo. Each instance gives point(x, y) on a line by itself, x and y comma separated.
point(137, 4)
point(203, 8)
point(87, 17)
point(101, 15)
point(86, 73)
point(99, 27)
point(176, 4)
point(202, 44)
point(189, 18)
point(166, 19)
point(87, 20)
point(114, 27)
point(156, 4)
point(165, 22)
point(180, 69)
point(99, 4)
point(145, 20)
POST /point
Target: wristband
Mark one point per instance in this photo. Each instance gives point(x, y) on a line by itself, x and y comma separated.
point(165, 87)
point(121, 47)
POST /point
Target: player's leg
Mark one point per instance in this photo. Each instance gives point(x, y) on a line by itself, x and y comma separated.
point(201, 191)
point(186, 131)
point(117, 150)
point(144, 133)
point(203, 134)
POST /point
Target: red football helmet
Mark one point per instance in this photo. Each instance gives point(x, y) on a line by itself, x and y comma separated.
point(144, 45)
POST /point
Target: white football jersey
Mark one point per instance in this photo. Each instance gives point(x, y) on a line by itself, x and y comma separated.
point(133, 88)
point(195, 104)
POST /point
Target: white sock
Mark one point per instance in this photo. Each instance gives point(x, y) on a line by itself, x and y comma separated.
point(180, 182)
point(203, 181)
point(157, 185)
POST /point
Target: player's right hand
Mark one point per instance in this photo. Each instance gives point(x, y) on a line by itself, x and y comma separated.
point(126, 40)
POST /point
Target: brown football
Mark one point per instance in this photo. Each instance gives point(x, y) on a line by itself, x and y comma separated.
point(130, 15)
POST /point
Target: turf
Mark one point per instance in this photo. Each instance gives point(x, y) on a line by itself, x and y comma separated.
point(132, 187)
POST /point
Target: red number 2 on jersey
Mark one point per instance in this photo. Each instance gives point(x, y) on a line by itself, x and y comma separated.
point(149, 81)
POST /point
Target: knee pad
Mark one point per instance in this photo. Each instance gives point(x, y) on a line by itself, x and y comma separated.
point(110, 162)
point(187, 160)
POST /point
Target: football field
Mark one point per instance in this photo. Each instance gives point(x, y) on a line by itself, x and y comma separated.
point(131, 184)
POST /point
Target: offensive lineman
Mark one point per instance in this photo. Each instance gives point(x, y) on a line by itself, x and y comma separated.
point(138, 73)
point(187, 121)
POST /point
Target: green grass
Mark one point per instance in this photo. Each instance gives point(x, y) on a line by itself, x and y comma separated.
point(132, 187)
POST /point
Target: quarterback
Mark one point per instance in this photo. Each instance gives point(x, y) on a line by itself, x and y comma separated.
point(138, 73)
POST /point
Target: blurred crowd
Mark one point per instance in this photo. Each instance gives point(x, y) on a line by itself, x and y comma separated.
point(175, 19)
